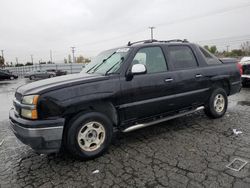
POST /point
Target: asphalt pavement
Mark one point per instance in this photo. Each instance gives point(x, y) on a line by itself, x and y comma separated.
point(191, 151)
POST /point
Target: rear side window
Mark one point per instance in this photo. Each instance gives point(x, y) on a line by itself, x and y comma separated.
point(182, 57)
point(210, 59)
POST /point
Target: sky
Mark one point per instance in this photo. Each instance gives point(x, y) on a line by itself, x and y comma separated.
point(34, 27)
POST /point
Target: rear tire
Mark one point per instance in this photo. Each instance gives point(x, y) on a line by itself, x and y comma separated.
point(88, 135)
point(12, 78)
point(51, 76)
point(217, 104)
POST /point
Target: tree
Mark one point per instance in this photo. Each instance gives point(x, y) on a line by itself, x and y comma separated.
point(19, 65)
point(1, 61)
point(212, 49)
point(69, 59)
point(82, 59)
point(206, 47)
point(246, 47)
point(65, 61)
point(28, 63)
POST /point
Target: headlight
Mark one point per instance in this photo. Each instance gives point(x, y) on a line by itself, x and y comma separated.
point(31, 114)
point(29, 106)
point(30, 99)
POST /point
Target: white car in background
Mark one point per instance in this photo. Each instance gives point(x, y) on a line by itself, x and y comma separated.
point(245, 60)
point(245, 77)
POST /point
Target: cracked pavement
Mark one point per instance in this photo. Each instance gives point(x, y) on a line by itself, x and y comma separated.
point(190, 151)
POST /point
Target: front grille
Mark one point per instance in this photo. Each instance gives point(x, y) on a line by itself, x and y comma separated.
point(16, 107)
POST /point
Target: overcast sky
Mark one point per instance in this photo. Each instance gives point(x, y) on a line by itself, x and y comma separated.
point(38, 26)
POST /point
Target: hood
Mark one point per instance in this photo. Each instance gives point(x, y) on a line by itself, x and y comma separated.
point(50, 84)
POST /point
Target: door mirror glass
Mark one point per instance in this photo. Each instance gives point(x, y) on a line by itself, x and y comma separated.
point(138, 69)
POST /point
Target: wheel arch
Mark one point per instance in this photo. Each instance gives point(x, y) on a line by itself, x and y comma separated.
point(221, 81)
point(105, 107)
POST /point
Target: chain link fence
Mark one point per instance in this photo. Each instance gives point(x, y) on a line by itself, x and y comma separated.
point(70, 68)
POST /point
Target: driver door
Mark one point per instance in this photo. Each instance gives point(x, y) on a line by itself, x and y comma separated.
point(148, 94)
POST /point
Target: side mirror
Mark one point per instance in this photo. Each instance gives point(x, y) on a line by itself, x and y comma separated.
point(138, 69)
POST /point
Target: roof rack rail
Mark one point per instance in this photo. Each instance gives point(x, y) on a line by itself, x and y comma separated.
point(141, 41)
point(174, 40)
point(153, 40)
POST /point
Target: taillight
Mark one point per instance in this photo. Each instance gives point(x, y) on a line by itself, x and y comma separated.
point(240, 68)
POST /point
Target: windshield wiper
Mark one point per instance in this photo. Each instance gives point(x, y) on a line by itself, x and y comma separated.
point(122, 58)
point(98, 65)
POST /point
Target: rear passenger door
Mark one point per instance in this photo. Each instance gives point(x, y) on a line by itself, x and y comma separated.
point(192, 86)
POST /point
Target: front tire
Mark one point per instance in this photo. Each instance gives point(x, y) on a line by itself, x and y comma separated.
point(88, 135)
point(217, 104)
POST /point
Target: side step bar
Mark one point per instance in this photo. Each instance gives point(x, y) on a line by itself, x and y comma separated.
point(139, 126)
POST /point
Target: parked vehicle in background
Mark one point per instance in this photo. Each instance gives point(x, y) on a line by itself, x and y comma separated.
point(245, 62)
point(229, 60)
point(7, 75)
point(122, 89)
point(58, 72)
point(6, 70)
point(40, 74)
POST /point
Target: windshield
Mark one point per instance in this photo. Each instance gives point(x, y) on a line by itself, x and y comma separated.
point(107, 62)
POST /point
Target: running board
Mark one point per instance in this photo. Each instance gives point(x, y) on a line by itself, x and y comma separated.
point(139, 126)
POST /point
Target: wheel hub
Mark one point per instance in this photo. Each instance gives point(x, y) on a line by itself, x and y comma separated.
point(219, 103)
point(91, 136)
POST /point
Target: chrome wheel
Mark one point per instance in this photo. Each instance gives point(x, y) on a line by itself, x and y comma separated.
point(219, 103)
point(91, 136)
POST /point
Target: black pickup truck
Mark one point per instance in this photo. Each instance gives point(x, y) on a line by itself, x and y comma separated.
point(122, 89)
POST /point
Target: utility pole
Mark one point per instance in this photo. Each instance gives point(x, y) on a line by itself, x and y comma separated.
point(152, 32)
point(16, 60)
point(31, 58)
point(50, 53)
point(73, 54)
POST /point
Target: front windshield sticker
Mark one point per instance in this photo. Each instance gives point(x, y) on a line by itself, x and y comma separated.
point(122, 50)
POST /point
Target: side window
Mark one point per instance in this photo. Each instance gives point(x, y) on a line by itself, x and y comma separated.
point(152, 58)
point(210, 59)
point(182, 57)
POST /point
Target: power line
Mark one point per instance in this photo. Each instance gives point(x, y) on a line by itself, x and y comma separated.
point(195, 17)
point(243, 37)
point(207, 14)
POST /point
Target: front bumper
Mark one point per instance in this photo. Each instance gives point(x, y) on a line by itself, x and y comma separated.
point(44, 136)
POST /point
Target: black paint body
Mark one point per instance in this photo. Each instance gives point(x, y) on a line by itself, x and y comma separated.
point(126, 101)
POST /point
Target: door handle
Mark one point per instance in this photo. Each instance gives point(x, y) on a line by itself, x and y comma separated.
point(169, 80)
point(198, 76)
